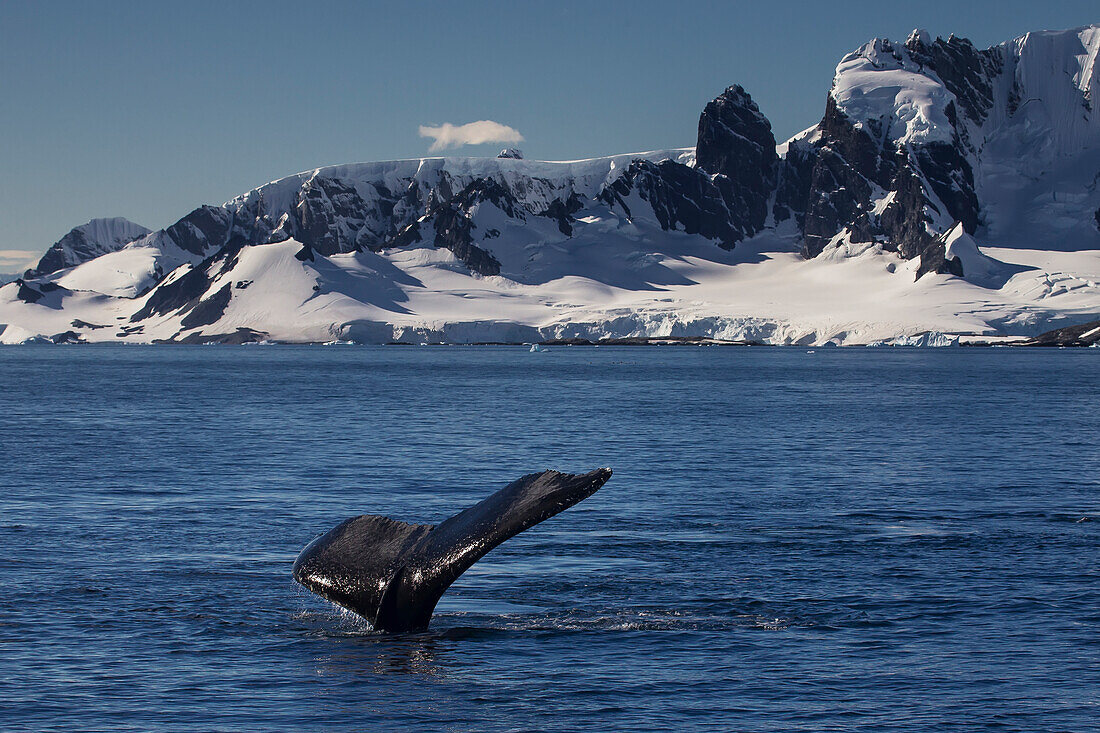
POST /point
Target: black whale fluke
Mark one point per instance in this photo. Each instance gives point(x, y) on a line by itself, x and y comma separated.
point(392, 573)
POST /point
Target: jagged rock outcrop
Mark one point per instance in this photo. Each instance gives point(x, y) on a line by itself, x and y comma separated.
point(39, 292)
point(895, 158)
point(205, 228)
point(794, 180)
point(872, 182)
point(454, 225)
point(736, 145)
point(725, 196)
point(681, 198)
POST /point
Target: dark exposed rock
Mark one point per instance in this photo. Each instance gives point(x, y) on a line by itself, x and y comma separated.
point(852, 162)
point(736, 142)
point(904, 221)
point(453, 226)
point(490, 190)
point(37, 292)
point(204, 228)
point(1014, 97)
point(186, 291)
point(332, 217)
point(964, 70)
point(681, 197)
point(1085, 334)
point(452, 231)
point(829, 183)
point(67, 337)
point(868, 180)
point(951, 178)
point(208, 310)
point(240, 336)
point(182, 292)
point(735, 139)
point(322, 203)
point(124, 331)
point(847, 163)
point(26, 293)
point(482, 190)
point(562, 212)
point(865, 150)
point(953, 266)
point(850, 167)
point(77, 323)
point(406, 236)
point(725, 198)
point(795, 175)
point(836, 201)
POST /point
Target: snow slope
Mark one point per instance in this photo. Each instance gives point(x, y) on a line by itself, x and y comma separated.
point(852, 294)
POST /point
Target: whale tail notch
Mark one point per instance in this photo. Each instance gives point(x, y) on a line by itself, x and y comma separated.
point(393, 574)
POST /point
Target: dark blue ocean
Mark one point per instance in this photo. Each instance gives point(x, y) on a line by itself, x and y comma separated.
point(851, 539)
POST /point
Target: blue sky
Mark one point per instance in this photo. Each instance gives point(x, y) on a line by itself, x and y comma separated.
point(146, 110)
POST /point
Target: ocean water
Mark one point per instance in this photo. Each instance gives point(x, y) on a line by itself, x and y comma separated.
point(872, 540)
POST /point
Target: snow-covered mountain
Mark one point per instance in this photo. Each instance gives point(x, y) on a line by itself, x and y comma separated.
point(86, 242)
point(922, 135)
point(946, 189)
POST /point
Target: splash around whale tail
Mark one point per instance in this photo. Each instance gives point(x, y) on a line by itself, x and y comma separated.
point(393, 574)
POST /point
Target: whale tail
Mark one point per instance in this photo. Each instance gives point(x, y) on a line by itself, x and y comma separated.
point(393, 574)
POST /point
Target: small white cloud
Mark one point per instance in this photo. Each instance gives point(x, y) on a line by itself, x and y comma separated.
point(17, 259)
point(472, 133)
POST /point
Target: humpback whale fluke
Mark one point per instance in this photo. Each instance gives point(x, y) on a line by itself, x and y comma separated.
point(392, 573)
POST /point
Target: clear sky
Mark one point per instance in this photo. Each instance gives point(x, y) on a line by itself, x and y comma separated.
point(148, 109)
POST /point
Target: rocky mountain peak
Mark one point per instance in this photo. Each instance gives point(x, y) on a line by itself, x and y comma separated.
point(736, 144)
point(734, 135)
point(918, 39)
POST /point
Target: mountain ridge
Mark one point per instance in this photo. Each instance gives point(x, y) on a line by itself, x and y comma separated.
point(914, 170)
